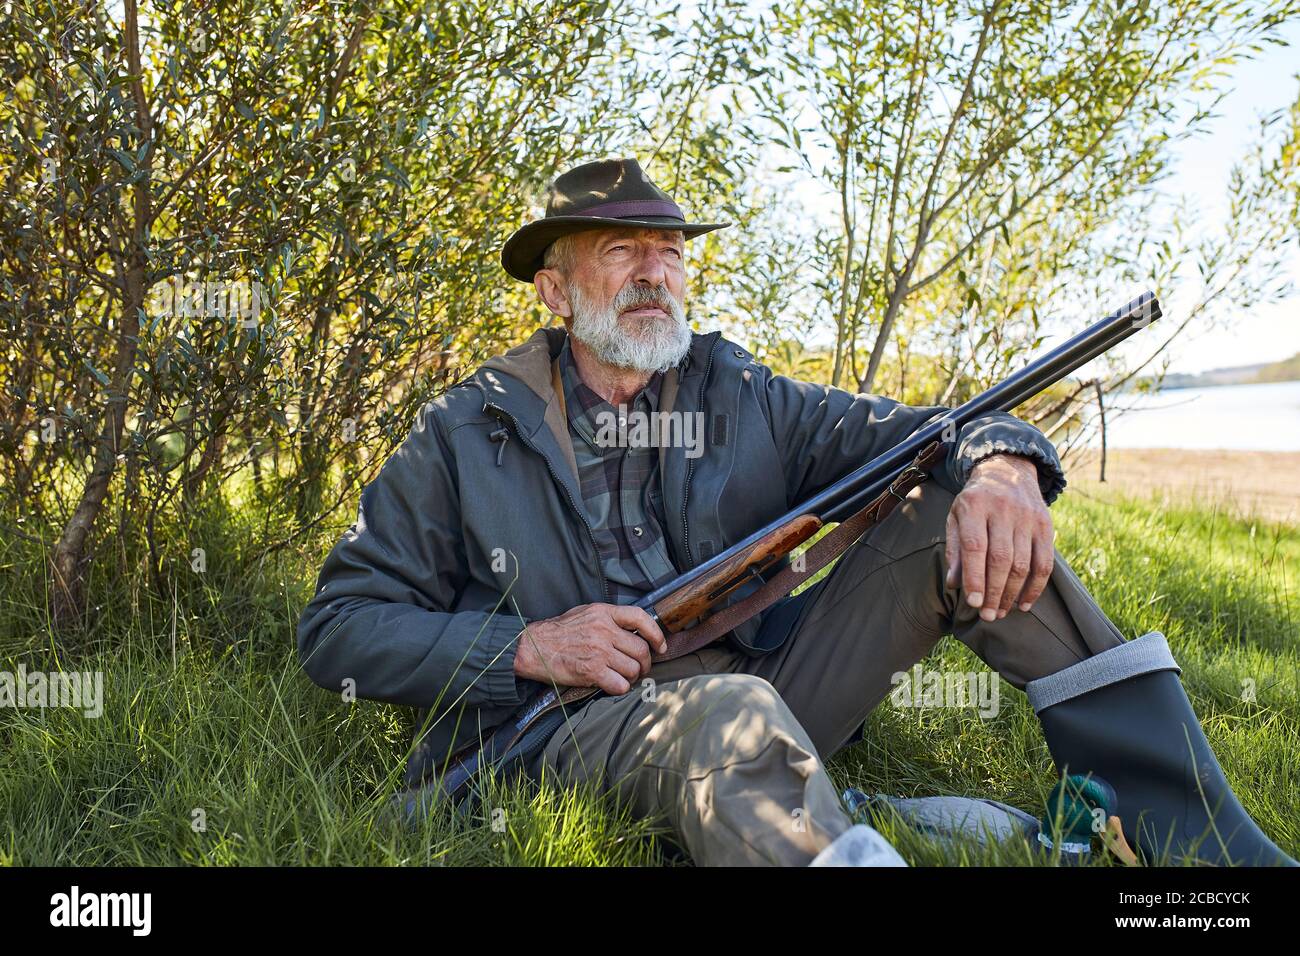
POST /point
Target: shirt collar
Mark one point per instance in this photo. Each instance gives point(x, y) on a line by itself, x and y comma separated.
point(583, 404)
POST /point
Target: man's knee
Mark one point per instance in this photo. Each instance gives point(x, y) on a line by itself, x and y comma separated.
point(731, 716)
point(735, 774)
point(713, 701)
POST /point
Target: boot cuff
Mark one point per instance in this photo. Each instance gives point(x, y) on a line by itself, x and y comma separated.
point(1142, 655)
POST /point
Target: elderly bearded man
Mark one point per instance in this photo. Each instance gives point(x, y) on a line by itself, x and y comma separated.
point(506, 488)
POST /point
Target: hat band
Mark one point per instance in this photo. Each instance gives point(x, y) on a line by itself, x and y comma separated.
point(627, 208)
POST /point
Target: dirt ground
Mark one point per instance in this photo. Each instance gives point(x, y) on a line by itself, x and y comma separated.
point(1265, 483)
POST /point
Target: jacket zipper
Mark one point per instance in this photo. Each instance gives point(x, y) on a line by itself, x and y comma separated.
point(690, 463)
point(498, 410)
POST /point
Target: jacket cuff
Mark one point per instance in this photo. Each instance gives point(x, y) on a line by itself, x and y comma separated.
point(1051, 476)
point(491, 659)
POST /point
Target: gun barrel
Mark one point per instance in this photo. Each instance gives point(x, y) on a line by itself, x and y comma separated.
point(1006, 395)
point(860, 486)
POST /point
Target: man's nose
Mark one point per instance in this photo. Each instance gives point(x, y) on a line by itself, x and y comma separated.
point(651, 268)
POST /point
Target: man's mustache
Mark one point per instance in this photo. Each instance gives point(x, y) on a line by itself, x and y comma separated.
point(638, 297)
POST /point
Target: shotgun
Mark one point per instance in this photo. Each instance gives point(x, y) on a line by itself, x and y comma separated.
point(697, 607)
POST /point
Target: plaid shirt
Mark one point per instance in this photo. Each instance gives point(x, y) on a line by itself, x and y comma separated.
point(620, 487)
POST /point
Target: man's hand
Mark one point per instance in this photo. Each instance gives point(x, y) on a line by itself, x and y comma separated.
point(1000, 536)
point(593, 645)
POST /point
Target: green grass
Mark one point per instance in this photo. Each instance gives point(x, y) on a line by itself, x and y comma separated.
point(209, 720)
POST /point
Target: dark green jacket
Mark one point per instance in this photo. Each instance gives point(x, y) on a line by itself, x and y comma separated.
point(475, 526)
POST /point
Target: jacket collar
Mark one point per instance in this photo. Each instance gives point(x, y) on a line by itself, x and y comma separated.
point(520, 383)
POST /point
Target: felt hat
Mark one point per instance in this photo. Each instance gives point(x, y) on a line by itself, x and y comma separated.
point(610, 192)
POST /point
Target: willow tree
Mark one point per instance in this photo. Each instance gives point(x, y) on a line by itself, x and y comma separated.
point(949, 131)
point(355, 165)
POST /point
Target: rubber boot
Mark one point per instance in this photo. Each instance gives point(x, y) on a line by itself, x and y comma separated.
point(1122, 715)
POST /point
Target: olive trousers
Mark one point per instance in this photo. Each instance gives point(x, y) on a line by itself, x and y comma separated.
point(726, 748)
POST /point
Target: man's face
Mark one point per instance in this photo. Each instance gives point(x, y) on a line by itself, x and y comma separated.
point(626, 296)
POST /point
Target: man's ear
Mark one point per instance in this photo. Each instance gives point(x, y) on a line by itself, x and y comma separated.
point(551, 286)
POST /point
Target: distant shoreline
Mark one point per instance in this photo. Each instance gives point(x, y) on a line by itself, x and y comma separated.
point(1261, 373)
point(1180, 387)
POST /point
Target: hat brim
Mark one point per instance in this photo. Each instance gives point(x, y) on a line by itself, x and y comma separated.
point(522, 254)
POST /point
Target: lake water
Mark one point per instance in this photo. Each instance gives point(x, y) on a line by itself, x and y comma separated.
point(1263, 417)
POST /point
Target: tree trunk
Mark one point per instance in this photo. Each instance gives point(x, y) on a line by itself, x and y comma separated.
point(1101, 409)
point(886, 330)
point(69, 561)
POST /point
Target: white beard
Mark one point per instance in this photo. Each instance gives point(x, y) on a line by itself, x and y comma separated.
point(656, 346)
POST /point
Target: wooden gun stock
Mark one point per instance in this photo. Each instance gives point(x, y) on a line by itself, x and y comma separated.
point(691, 602)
